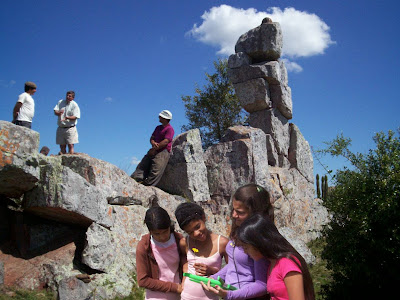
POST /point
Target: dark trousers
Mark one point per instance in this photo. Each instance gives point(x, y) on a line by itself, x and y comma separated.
point(24, 124)
point(151, 168)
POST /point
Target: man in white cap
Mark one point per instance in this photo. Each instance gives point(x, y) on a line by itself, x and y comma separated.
point(152, 166)
point(24, 109)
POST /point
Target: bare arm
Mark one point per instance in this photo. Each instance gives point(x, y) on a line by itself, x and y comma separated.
point(153, 143)
point(16, 109)
point(184, 263)
point(294, 285)
point(58, 112)
point(162, 144)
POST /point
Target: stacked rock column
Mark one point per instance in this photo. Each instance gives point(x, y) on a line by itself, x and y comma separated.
point(261, 84)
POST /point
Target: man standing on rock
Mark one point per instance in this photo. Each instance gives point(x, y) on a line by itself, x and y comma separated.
point(152, 166)
point(24, 109)
point(68, 113)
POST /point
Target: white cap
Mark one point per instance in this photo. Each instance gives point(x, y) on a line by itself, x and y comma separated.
point(166, 114)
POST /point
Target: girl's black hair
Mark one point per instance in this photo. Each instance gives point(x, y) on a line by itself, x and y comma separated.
point(256, 198)
point(158, 218)
point(187, 212)
point(260, 232)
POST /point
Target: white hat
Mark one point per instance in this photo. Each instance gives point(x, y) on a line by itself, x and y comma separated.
point(166, 114)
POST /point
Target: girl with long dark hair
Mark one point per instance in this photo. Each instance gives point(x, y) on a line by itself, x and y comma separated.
point(288, 275)
point(243, 272)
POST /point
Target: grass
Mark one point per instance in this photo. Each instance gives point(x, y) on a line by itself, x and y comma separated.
point(7, 293)
point(319, 271)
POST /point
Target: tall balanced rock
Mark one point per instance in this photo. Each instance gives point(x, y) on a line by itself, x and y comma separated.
point(260, 80)
point(261, 84)
point(255, 66)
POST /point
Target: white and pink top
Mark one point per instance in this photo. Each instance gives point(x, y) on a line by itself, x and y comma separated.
point(193, 290)
point(167, 257)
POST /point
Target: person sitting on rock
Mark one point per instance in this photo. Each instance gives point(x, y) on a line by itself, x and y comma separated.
point(151, 168)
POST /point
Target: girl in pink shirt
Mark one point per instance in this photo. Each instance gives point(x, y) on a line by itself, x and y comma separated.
point(288, 277)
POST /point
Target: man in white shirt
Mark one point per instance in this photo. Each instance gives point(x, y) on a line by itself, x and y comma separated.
point(68, 113)
point(24, 109)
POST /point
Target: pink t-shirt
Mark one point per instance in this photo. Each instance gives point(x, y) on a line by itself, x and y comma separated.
point(275, 285)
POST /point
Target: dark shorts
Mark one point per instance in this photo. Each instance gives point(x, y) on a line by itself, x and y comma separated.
point(24, 124)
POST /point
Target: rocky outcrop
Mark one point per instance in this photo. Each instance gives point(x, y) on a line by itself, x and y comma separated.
point(240, 158)
point(186, 173)
point(80, 218)
point(18, 166)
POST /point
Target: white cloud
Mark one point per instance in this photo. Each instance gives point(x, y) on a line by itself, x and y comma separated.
point(7, 84)
point(108, 99)
point(304, 34)
point(292, 66)
point(135, 161)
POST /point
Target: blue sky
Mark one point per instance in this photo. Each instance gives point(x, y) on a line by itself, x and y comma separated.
point(128, 60)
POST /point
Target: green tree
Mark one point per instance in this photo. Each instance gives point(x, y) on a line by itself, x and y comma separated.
point(318, 188)
point(363, 237)
point(215, 107)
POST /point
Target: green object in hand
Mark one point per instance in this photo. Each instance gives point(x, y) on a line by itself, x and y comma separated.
point(213, 282)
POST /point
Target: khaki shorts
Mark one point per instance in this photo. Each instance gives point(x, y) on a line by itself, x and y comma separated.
point(67, 136)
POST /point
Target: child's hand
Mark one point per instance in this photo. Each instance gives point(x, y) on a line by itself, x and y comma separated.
point(216, 290)
point(201, 269)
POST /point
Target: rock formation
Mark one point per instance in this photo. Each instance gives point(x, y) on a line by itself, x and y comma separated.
point(72, 222)
point(271, 151)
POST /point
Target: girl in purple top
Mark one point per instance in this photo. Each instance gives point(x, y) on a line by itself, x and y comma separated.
point(243, 272)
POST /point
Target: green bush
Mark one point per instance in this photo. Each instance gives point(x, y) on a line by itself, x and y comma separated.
point(363, 238)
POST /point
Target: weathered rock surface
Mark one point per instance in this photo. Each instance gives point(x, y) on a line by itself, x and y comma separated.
point(242, 72)
point(186, 173)
point(33, 273)
point(281, 98)
point(1, 273)
point(262, 43)
point(294, 203)
point(299, 245)
point(99, 252)
point(72, 288)
point(253, 94)
point(300, 155)
point(18, 159)
point(273, 123)
point(240, 158)
point(63, 195)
